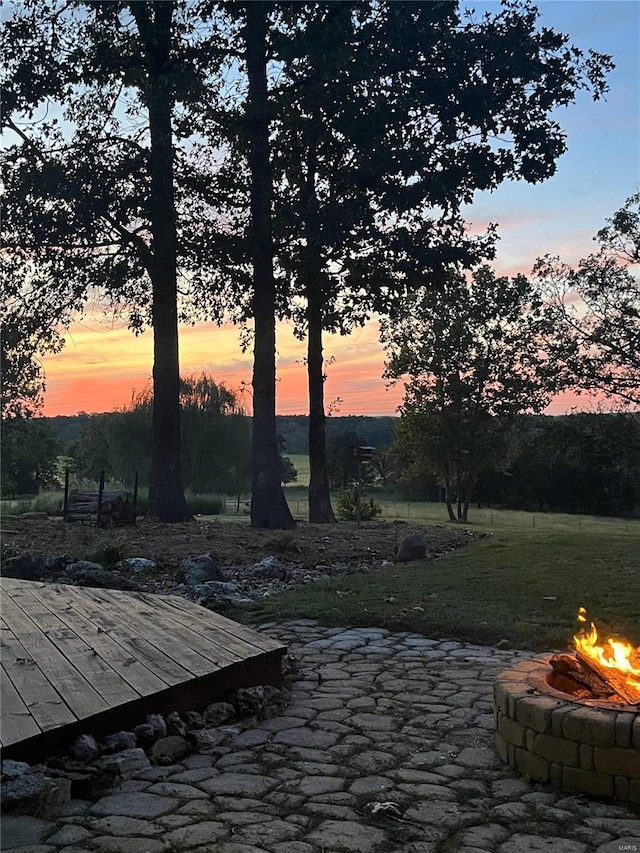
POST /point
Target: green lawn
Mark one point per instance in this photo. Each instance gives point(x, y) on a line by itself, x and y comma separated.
point(522, 585)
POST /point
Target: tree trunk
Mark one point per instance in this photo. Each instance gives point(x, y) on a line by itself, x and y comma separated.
point(320, 509)
point(166, 493)
point(268, 504)
point(468, 491)
point(448, 501)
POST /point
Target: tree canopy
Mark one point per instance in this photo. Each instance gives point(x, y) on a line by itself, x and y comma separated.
point(470, 350)
point(594, 311)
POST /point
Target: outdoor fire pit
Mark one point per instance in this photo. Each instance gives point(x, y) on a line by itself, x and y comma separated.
point(561, 720)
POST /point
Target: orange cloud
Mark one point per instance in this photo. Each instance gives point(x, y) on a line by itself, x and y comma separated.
point(102, 365)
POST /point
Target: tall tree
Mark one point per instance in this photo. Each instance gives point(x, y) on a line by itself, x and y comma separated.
point(594, 311)
point(389, 117)
point(92, 198)
point(268, 505)
point(471, 352)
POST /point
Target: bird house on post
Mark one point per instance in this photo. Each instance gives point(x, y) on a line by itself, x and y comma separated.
point(363, 453)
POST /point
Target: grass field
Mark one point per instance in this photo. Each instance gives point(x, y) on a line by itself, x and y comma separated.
point(523, 585)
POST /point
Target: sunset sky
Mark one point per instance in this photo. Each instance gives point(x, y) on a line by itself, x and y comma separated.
point(102, 363)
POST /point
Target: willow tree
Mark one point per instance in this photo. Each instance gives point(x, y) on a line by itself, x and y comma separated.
point(97, 94)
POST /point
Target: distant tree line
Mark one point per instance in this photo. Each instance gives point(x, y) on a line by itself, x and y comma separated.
point(579, 463)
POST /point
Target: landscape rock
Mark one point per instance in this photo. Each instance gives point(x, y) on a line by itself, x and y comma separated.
point(25, 567)
point(412, 547)
point(170, 749)
point(13, 769)
point(153, 728)
point(104, 579)
point(57, 565)
point(206, 740)
point(136, 565)
point(262, 701)
point(84, 747)
point(120, 740)
point(87, 781)
point(217, 595)
point(35, 794)
point(125, 764)
point(200, 569)
point(193, 719)
point(176, 725)
point(269, 568)
point(23, 831)
point(218, 713)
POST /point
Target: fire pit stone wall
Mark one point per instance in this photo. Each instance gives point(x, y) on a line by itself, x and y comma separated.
point(574, 745)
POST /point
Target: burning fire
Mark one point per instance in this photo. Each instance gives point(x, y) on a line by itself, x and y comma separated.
point(614, 655)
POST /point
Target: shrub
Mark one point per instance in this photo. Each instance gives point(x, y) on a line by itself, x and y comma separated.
point(49, 502)
point(108, 554)
point(347, 505)
point(206, 504)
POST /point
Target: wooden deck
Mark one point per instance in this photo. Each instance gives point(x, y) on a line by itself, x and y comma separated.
point(94, 660)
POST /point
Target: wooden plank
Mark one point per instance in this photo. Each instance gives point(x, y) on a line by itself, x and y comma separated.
point(91, 604)
point(16, 721)
point(135, 673)
point(76, 691)
point(96, 669)
point(212, 622)
point(36, 691)
point(218, 646)
point(148, 625)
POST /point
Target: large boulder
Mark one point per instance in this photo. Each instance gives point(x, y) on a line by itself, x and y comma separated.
point(412, 547)
point(27, 567)
point(200, 569)
point(85, 573)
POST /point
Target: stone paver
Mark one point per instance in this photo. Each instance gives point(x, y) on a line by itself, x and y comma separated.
point(373, 717)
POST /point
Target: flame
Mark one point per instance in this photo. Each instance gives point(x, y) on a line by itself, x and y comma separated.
point(614, 654)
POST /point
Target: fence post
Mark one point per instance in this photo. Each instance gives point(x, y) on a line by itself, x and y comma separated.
point(65, 505)
point(100, 491)
point(135, 491)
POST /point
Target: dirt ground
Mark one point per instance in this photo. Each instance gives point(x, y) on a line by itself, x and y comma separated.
point(231, 543)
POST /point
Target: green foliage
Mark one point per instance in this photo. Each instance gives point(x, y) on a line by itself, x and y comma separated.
point(28, 450)
point(216, 438)
point(50, 502)
point(472, 351)
point(347, 505)
point(583, 463)
point(288, 472)
point(199, 504)
point(594, 312)
point(108, 553)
